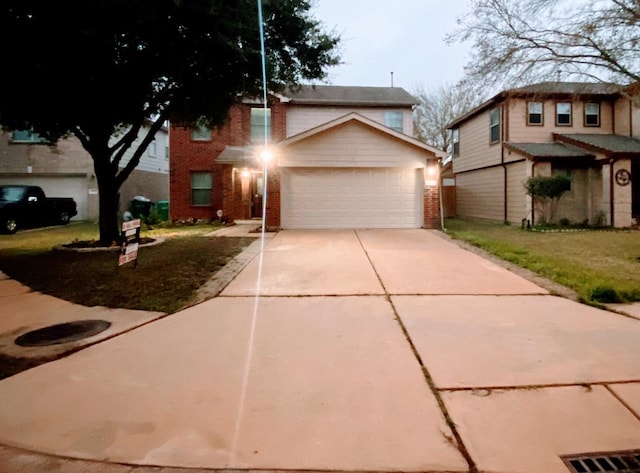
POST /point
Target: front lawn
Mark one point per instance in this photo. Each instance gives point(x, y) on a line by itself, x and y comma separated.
point(166, 278)
point(601, 266)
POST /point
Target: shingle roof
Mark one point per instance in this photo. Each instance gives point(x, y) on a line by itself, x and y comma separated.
point(568, 88)
point(346, 95)
point(544, 89)
point(541, 151)
point(610, 145)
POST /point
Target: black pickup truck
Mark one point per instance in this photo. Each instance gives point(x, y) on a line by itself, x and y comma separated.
point(28, 206)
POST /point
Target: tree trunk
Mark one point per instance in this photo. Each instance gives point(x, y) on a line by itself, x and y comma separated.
point(109, 202)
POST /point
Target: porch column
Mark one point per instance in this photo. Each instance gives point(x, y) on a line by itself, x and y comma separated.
point(622, 195)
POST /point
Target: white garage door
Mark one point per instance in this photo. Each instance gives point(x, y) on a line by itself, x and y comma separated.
point(351, 198)
point(75, 187)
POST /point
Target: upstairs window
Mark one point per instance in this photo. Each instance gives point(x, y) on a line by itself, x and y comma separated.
point(201, 189)
point(455, 139)
point(201, 132)
point(563, 113)
point(591, 114)
point(153, 149)
point(260, 125)
point(26, 136)
point(394, 121)
point(494, 125)
point(535, 113)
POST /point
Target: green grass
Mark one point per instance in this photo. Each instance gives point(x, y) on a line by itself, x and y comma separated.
point(601, 266)
point(166, 278)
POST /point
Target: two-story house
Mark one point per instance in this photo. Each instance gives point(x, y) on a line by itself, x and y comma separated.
point(586, 130)
point(342, 157)
point(66, 169)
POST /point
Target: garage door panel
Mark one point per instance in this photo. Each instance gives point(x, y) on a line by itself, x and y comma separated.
point(351, 198)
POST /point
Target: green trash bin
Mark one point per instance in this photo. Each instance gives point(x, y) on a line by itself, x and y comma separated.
point(162, 207)
point(140, 206)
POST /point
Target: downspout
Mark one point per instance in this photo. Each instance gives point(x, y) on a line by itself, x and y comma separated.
point(612, 162)
point(533, 203)
point(505, 137)
point(441, 205)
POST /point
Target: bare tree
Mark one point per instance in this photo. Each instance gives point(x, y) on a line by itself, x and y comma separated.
point(519, 41)
point(437, 107)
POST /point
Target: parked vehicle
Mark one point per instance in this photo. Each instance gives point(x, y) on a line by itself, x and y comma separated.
point(28, 206)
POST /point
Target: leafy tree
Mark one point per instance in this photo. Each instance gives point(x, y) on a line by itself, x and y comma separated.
point(547, 191)
point(519, 41)
point(439, 106)
point(99, 68)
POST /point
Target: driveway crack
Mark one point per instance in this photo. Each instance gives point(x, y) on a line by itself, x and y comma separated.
point(425, 371)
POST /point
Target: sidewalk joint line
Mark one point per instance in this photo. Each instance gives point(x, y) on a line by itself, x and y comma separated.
point(425, 371)
point(623, 402)
point(528, 387)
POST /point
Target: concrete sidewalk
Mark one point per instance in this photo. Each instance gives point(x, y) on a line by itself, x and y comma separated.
point(372, 350)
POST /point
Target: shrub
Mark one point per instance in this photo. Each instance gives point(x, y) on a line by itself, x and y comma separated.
point(605, 295)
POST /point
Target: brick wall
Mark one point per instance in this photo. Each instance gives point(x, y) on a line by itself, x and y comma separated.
point(272, 221)
point(189, 156)
point(431, 207)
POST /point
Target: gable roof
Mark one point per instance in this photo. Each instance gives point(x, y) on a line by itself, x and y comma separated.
point(356, 117)
point(351, 96)
point(613, 146)
point(567, 90)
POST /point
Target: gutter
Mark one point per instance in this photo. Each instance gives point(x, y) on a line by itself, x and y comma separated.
point(612, 162)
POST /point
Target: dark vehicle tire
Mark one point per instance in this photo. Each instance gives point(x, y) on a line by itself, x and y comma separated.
point(64, 218)
point(9, 225)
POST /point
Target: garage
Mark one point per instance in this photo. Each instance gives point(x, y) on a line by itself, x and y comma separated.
point(351, 198)
point(75, 187)
point(353, 172)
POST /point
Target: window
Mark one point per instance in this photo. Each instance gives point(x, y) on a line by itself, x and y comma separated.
point(201, 188)
point(535, 115)
point(568, 172)
point(153, 149)
point(201, 132)
point(494, 120)
point(591, 114)
point(26, 136)
point(260, 125)
point(563, 113)
point(394, 120)
point(166, 152)
point(455, 139)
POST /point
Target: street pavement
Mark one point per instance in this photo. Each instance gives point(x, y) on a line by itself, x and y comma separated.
point(339, 350)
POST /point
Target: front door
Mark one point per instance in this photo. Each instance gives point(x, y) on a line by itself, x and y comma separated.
point(635, 190)
point(257, 193)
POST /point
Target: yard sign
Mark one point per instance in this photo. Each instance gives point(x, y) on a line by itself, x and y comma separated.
point(130, 242)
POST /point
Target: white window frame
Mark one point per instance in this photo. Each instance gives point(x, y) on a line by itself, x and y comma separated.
point(394, 119)
point(531, 111)
point(258, 124)
point(201, 133)
point(199, 187)
point(494, 125)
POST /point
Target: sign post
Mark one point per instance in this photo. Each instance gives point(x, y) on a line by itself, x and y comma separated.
point(130, 243)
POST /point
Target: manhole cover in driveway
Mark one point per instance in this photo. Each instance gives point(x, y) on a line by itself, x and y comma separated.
point(62, 333)
point(626, 461)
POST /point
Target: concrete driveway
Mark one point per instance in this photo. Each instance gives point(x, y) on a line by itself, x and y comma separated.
point(372, 350)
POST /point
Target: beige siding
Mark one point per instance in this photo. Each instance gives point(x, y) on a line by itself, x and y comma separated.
point(68, 156)
point(352, 144)
point(520, 132)
point(516, 193)
point(635, 122)
point(480, 194)
point(623, 109)
point(301, 118)
point(475, 150)
point(150, 162)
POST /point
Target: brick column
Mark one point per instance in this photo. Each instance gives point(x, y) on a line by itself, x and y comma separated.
point(272, 219)
point(431, 207)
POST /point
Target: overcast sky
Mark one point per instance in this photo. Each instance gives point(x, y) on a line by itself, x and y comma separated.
point(403, 36)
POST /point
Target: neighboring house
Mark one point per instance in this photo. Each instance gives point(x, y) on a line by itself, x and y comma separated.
point(589, 131)
point(66, 170)
point(343, 157)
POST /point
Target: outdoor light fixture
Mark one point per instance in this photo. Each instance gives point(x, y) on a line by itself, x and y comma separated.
point(431, 179)
point(266, 155)
point(245, 173)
